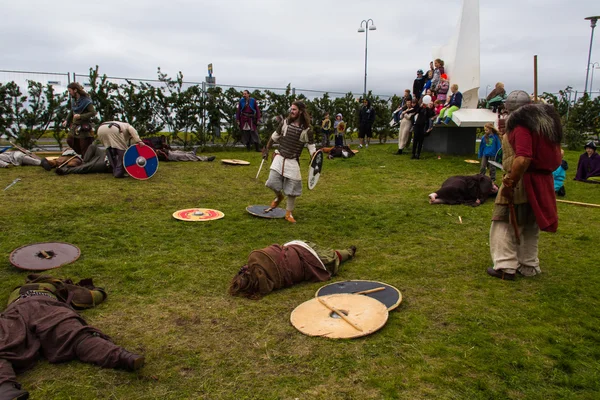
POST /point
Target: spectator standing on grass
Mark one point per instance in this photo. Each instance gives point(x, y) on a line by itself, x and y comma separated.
point(366, 118)
point(488, 148)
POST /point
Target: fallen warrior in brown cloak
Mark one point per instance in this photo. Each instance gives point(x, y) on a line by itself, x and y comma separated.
point(472, 190)
point(277, 267)
point(40, 320)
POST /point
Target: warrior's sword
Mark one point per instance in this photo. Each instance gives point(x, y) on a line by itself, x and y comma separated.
point(13, 183)
point(259, 168)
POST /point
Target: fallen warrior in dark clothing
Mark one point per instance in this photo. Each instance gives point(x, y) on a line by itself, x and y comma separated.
point(94, 161)
point(472, 190)
point(40, 320)
point(277, 267)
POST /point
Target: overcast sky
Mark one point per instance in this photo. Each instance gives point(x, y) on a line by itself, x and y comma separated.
point(312, 44)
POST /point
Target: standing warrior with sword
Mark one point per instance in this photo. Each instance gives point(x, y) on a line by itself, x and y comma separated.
point(284, 178)
point(531, 151)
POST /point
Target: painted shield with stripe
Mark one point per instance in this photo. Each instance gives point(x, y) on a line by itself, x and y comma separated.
point(140, 162)
point(314, 170)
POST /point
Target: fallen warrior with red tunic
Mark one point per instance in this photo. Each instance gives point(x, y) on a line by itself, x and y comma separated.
point(277, 267)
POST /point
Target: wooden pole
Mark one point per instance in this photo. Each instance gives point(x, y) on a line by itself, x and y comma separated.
point(60, 166)
point(535, 80)
point(578, 203)
point(377, 289)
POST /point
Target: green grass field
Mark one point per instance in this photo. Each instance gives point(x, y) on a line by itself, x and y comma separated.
point(458, 334)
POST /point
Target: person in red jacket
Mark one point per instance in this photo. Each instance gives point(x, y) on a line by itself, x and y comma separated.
point(526, 202)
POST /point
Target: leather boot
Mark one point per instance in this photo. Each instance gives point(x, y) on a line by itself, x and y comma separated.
point(289, 217)
point(45, 164)
point(118, 168)
point(9, 390)
point(129, 361)
point(257, 147)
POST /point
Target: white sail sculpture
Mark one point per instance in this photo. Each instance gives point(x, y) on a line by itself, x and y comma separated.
point(461, 54)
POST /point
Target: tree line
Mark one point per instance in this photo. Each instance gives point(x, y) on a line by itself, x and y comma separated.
point(191, 116)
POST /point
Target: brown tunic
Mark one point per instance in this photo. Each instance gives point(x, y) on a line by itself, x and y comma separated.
point(278, 267)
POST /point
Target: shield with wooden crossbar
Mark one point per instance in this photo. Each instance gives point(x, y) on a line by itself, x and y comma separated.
point(314, 169)
point(140, 162)
point(340, 316)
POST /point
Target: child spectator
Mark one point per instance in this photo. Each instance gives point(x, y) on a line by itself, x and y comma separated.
point(559, 176)
point(406, 97)
point(443, 87)
point(437, 73)
point(489, 146)
point(325, 130)
point(454, 103)
point(339, 126)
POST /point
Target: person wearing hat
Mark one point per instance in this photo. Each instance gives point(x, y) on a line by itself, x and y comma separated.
point(339, 127)
point(526, 201)
point(588, 165)
point(419, 84)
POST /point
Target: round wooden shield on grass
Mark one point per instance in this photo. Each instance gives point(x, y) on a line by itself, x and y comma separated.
point(43, 256)
point(472, 162)
point(387, 294)
point(235, 162)
point(360, 316)
point(140, 162)
point(259, 211)
point(198, 214)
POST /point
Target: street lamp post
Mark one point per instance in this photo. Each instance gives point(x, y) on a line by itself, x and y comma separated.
point(595, 65)
point(487, 87)
point(366, 29)
point(593, 21)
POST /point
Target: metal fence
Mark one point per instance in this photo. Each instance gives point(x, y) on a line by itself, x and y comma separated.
point(60, 80)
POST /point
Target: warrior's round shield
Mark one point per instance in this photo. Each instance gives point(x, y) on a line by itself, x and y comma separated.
point(140, 162)
point(235, 162)
point(387, 294)
point(320, 316)
point(43, 256)
point(198, 214)
point(314, 170)
point(261, 211)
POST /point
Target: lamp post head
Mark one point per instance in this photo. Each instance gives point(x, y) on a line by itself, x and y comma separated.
point(372, 28)
point(361, 30)
point(593, 20)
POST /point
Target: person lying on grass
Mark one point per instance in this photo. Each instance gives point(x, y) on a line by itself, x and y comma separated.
point(277, 267)
point(472, 190)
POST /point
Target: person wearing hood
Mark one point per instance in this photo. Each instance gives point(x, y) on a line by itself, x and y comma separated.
point(339, 128)
point(588, 165)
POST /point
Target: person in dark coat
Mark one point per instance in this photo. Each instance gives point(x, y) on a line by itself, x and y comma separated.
point(418, 85)
point(278, 267)
point(95, 161)
point(588, 165)
point(472, 190)
point(40, 320)
point(366, 118)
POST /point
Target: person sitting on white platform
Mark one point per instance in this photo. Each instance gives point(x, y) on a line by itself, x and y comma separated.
point(454, 103)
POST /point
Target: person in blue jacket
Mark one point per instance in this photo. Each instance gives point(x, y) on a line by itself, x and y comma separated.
point(489, 146)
